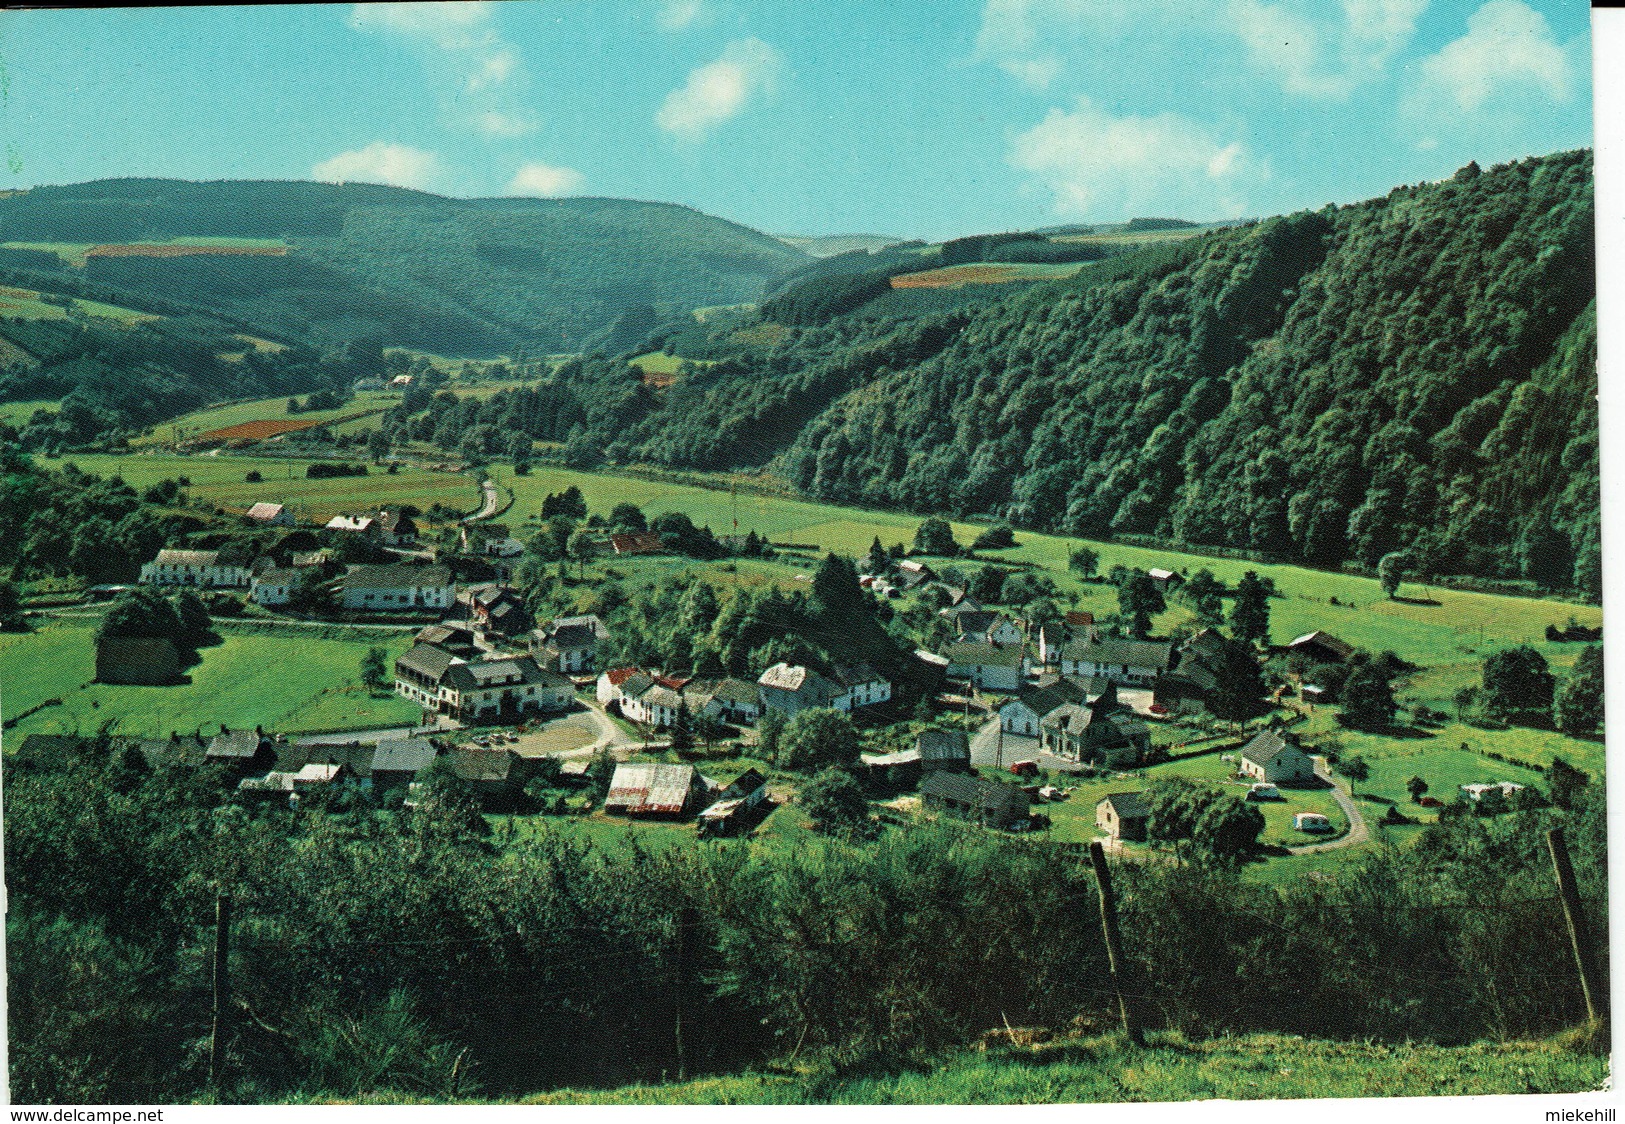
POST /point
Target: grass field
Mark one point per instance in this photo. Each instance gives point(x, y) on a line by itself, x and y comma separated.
point(282, 679)
point(220, 479)
point(1073, 820)
point(26, 304)
point(1171, 1068)
point(18, 413)
point(213, 418)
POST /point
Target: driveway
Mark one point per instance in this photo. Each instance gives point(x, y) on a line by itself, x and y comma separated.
point(491, 500)
point(1357, 833)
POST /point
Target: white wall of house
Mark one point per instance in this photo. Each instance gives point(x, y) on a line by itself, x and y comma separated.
point(201, 577)
point(1017, 717)
point(270, 593)
point(1116, 672)
point(407, 597)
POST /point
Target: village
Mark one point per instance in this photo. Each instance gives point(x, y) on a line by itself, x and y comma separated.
point(535, 717)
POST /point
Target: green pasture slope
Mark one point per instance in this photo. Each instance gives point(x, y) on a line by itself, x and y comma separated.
point(282, 678)
point(220, 479)
point(259, 409)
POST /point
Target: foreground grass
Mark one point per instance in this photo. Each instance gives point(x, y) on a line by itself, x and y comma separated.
point(1105, 1070)
point(288, 681)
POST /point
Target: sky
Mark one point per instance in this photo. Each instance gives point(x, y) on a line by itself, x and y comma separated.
point(895, 117)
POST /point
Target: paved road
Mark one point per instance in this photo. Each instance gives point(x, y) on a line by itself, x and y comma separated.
point(492, 501)
point(985, 749)
point(366, 737)
point(1357, 833)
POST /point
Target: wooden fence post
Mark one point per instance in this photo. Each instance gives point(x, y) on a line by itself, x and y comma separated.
point(1585, 957)
point(1115, 959)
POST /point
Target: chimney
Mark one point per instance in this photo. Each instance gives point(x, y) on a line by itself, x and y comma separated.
point(259, 732)
point(223, 730)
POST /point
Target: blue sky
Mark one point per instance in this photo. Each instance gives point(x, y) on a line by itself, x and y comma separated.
point(919, 119)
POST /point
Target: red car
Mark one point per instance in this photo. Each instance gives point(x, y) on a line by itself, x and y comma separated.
point(1025, 768)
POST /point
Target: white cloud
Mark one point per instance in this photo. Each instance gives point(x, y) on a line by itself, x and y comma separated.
point(675, 15)
point(545, 180)
point(381, 162)
point(1104, 168)
point(494, 123)
point(1325, 57)
point(719, 90)
point(1509, 49)
point(1319, 48)
point(486, 73)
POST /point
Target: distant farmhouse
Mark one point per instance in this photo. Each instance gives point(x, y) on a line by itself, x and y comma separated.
point(1131, 663)
point(274, 586)
point(1123, 815)
point(1321, 647)
point(390, 527)
point(397, 587)
point(988, 667)
point(1274, 758)
point(198, 569)
point(271, 514)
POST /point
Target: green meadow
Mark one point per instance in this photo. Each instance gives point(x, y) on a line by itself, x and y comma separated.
point(283, 679)
point(19, 413)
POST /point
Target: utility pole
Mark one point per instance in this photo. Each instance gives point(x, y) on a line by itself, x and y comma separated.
point(1115, 959)
point(1585, 957)
point(222, 987)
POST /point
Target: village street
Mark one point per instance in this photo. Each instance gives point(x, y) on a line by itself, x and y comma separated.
point(986, 750)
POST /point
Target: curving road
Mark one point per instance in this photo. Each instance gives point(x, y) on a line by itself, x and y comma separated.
point(492, 500)
point(1357, 833)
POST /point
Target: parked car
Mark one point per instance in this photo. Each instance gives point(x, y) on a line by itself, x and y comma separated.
point(1263, 791)
point(1024, 768)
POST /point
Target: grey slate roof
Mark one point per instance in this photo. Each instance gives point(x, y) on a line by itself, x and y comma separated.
point(983, 655)
point(979, 793)
point(427, 660)
point(397, 576)
point(943, 745)
point(1265, 747)
point(402, 755)
point(1129, 653)
point(1127, 805)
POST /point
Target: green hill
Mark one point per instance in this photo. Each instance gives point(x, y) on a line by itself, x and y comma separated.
point(1416, 372)
point(453, 276)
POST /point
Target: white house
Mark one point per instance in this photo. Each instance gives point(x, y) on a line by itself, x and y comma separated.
point(489, 689)
point(655, 705)
point(1137, 663)
point(860, 686)
point(570, 643)
point(353, 524)
point(982, 626)
point(1477, 792)
point(273, 587)
point(271, 513)
point(988, 667)
point(397, 587)
point(726, 700)
point(1025, 713)
point(791, 689)
point(1275, 759)
point(201, 569)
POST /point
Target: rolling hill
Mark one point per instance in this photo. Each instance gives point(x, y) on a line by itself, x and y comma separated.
point(324, 263)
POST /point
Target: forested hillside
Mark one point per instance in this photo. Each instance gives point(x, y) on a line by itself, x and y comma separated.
point(471, 277)
point(1413, 372)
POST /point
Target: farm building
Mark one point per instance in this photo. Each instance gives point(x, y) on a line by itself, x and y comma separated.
point(860, 685)
point(1123, 815)
point(570, 643)
point(726, 700)
point(1166, 579)
point(1477, 792)
point(492, 539)
point(1095, 729)
point(790, 690)
point(493, 774)
point(397, 587)
point(451, 636)
point(943, 749)
point(200, 569)
point(1132, 663)
point(274, 586)
point(137, 661)
point(485, 690)
point(1321, 647)
point(495, 608)
point(271, 514)
point(1023, 714)
point(303, 558)
point(737, 807)
point(398, 761)
point(984, 626)
point(636, 542)
point(987, 667)
point(642, 789)
point(972, 798)
point(1274, 757)
point(352, 524)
